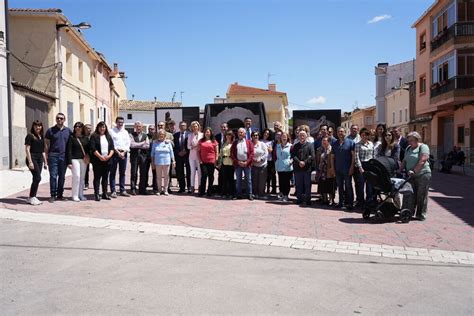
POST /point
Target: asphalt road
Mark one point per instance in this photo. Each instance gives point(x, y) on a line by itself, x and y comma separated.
point(53, 269)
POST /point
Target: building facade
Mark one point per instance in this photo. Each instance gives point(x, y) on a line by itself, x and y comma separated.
point(4, 91)
point(143, 111)
point(364, 117)
point(51, 60)
point(276, 103)
point(387, 78)
point(398, 109)
point(445, 74)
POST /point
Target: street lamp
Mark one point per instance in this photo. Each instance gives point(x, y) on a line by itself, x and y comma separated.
point(81, 26)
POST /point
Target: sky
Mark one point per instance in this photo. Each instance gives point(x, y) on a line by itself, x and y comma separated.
point(322, 53)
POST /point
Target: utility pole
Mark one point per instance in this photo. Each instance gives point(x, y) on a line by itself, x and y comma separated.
point(172, 99)
point(181, 97)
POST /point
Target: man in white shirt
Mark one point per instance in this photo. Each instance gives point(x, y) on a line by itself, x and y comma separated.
point(121, 139)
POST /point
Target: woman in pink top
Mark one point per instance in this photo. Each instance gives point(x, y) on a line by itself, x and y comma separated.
point(208, 153)
point(193, 143)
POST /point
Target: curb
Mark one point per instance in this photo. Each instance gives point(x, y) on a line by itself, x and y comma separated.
point(387, 251)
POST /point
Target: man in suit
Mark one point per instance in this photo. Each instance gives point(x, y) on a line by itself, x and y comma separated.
point(249, 129)
point(402, 141)
point(220, 139)
point(181, 153)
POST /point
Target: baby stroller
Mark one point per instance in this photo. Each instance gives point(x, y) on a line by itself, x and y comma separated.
point(380, 173)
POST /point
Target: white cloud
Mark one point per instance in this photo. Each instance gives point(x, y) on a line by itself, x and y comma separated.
point(379, 18)
point(317, 100)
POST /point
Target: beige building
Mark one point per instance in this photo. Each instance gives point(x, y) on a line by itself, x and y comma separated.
point(445, 74)
point(55, 70)
point(276, 103)
point(364, 117)
point(397, 109)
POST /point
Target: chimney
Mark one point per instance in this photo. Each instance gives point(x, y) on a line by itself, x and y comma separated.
point(272, 87)
point(115, 68)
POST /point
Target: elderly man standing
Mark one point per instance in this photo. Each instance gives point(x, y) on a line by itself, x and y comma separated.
point(277, 127)
point(121, 140)
point(139, 146)
point(242, 155)
point(303, 157)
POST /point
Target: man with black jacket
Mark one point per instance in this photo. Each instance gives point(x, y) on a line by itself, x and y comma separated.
point(151, 132)
point(139, 147)
point(181, 154)
point(303, 157)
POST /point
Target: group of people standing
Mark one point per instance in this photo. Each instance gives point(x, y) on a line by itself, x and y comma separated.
point(248, 161)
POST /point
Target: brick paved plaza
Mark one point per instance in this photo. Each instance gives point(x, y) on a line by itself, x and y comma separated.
point(448, 225)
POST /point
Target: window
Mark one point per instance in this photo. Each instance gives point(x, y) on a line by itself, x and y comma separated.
point(443, 20)
point(406, 115)
point(70, 114)
point(400, 119)
point(393, 117)
point(69, 63)
point(91, 117)
point(443, 68)
point(368, 120)
point(129, 116)
point(423, 84)
point(465, 11)
point(92, 79)
point(81, 71)
point(465, 65)
point(460, 134)
point(422, 41)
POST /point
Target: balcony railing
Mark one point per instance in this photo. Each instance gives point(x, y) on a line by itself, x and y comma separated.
point(459, 82)
point(457, 29)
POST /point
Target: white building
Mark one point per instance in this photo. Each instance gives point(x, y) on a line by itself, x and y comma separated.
point(4, 102)
point(143, 111)
point(387, 79)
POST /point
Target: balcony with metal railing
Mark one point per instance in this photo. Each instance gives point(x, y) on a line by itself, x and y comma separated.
point(454, 83)
point(455, 30)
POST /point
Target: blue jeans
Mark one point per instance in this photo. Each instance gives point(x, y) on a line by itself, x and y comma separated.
point(303, 185)
point(248, 176)
point(369, 195)
point(344, 188)
point(122, 165)
point(57, 173)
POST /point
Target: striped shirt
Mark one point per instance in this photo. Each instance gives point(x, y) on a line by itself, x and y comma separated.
point(363, 152)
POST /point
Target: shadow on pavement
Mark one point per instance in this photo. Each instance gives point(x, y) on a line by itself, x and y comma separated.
point(457, 191)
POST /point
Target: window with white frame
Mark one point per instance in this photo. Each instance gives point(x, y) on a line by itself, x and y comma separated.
point(443, 68)
point(443, 20)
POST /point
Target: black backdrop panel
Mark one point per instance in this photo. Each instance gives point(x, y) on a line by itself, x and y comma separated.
point(187, 114)
point(234, 114)
point(314, 118)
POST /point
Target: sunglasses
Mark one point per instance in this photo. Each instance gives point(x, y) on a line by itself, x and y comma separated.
point(255, 135)
point(60, 118)
point(78, 126)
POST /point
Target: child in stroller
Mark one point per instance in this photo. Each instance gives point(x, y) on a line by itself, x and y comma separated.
point(380, 173)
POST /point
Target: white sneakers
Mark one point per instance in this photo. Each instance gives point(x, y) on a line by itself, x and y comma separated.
point(33, 201)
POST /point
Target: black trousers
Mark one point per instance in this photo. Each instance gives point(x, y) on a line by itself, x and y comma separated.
point(153, 173)
point(86, 178)
point(101, 176)
point(271, 176)
point(37, 160)
point(227, 180)
point(284, 179)
point(138, 164)
point(182, 164)
point(207, 172)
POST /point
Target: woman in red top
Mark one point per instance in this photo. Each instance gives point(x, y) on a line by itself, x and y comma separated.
point(208, 153)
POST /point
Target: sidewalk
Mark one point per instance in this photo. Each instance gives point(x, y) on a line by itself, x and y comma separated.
point(448, 225)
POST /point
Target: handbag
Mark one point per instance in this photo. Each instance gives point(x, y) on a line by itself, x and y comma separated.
point(86, 157)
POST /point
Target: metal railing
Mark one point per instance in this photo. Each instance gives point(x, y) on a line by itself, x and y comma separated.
point(458, 82)
point(457, 29)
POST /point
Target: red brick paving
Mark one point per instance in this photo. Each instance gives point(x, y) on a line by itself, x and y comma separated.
point(448, 225)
